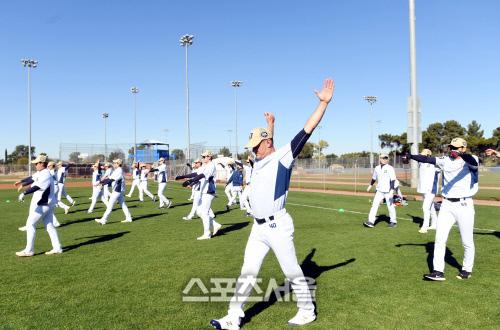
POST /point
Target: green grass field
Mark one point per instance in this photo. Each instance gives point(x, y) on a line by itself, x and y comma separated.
point(131, 275)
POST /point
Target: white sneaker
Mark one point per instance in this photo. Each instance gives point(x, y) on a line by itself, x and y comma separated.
point(23, 228)
point(24, 254)
point(54, 251)
point(302, 318)
point(127, 220)
point(217, 227)
point(227, 322)
point(101, 221)
point(66, 209)
point(203, 237)
point(423, 230)
point(186, 218)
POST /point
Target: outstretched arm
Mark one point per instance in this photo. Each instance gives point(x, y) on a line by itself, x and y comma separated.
point(270, 122)
point(324, 96)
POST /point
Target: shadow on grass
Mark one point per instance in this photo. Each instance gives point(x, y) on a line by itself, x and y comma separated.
point(429, 249)
point(382, 218)
point(78, 221)
point(95, 240)
point(180, 204)
point(311, 270)
point(494, 233)
point(232, 227)
point(147, 216)
point(415, 219)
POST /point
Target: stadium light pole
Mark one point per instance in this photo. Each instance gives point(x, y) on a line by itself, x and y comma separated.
point(29, 63)
point(186, 41)
point(229, 131)
point(371, 100)
point(414, 137)
point(105, 115)
point(134, 90)
point(236, 84)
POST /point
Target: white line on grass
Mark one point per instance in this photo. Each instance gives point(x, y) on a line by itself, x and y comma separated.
point(364, 213)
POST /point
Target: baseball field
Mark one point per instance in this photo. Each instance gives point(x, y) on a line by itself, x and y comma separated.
point(135, 275)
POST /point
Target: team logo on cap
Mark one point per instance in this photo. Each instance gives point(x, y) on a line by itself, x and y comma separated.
point(263, 134)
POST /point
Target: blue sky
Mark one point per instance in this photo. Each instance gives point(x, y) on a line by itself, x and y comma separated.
point(92, 52)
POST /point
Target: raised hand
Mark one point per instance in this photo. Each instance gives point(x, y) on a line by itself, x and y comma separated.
point(326, 94)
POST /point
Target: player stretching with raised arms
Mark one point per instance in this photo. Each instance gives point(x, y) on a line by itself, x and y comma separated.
point(273, 226)
point(460, 183)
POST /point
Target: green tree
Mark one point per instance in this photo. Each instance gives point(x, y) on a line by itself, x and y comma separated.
point(321, 146)
point(178, 154)
point(74, 157)
point(117, 154)
point(307, 151)
point(432, 138)
point(474, 130)
point(6, 156)
point(95, 158)
point(225, 152)
point(331, 157)
point(496, 138)
point(244, 156)
point(452, 129)
point(20, 155)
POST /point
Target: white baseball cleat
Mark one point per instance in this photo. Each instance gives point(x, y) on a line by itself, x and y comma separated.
point(302, 318)
point(127, 220)
point(203, 237)
point(423, 230)
point(101, 221)
point(227, 322)
point(24, 254)
point(53, 251)
point(186, 218)
point(73, 204)
point(128, 196)
point(66, 209)
point(432, 228)
point(23, 228)
point(169, 204)
point(217, 227)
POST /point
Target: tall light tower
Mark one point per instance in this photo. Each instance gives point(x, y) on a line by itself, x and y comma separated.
point(105, 115)
point(229, 131)
point(236, 84)
point(186, 41)
point(29, 63)
point(134, 90)
point(371, 100)
point(414, 131)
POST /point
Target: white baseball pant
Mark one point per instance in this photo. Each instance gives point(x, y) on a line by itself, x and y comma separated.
point(203, 211)
point(59, 203)
point(430, 214)
point(105, 192)
point(116, 197)
point(96, 193)
point(164, 201)
point(62, 193)
point(46, 213)
point(235, 192)
point(278, 236)
point(229, 192)
point(135, 183)
point(143, 189)
point(196, 203)
point(245, 204)
point(462, 213)
point(377, 199)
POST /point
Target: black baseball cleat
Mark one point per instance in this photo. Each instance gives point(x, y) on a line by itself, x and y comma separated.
point(228, 208)
point(435, 276)
point(368, 224)
point(464, 275)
